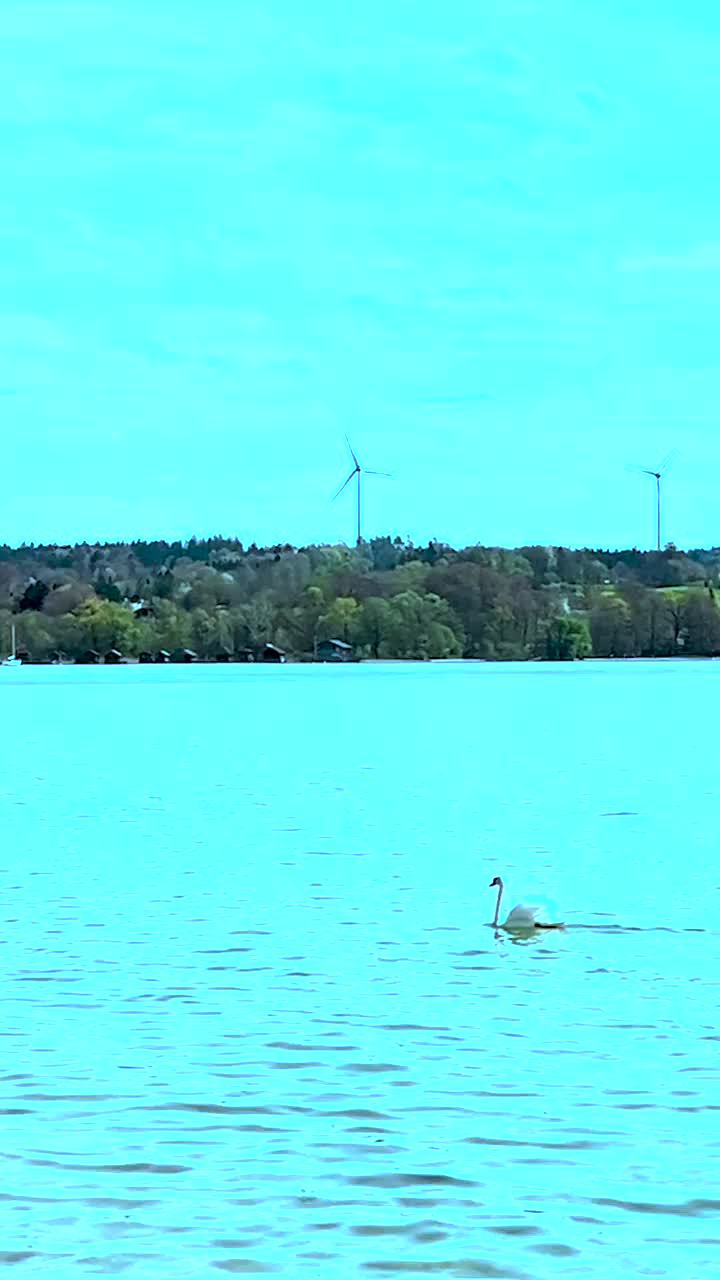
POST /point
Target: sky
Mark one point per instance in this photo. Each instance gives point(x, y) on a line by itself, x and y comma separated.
point(481, 237)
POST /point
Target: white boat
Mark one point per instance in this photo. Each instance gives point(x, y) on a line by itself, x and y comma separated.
point(12, 659)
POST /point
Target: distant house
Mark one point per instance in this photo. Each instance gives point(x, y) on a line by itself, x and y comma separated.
point(56, 657)
point(224, 654)
point(271, 653)
point(145, 656)
point(184, 655)
point(141, 608)
point(334, 651)
point(112, 657)
point(244, 655)
point(162, 655)
point(88, 658)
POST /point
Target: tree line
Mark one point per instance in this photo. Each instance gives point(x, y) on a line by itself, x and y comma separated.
point(388, 598)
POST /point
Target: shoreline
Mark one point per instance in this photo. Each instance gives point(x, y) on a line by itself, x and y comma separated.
point(371, 662)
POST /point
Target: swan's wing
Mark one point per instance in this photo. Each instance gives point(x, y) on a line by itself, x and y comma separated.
point(522, 916)
point(526, 915)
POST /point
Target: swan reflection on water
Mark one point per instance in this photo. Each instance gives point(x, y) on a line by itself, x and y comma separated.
point(537, 938)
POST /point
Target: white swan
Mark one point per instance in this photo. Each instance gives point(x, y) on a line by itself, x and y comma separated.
point(524, 917)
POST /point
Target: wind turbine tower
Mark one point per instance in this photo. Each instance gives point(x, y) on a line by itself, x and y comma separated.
point(359, 472)
point(658, 476)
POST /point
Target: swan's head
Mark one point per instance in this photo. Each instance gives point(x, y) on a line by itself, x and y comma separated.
point(496, 883)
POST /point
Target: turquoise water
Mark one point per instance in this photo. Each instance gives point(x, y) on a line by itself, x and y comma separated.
point(254, 1020)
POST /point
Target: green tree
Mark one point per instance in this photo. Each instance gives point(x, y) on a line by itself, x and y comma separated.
point(652, 622)
point(33, 596)
point(701, 625)
point(421, 626)
point(611, 628)
point(34, 633)
point(254, 623)
point(107, 590)
point(298, 622)
point(339, 621)
point(567, 638)
point(411, 576)
point(498, 613)
point(164, 585)
point(169, 628)
point(104, 625)
point(373, 625)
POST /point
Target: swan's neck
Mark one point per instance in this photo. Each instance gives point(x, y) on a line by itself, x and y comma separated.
point(497, 904)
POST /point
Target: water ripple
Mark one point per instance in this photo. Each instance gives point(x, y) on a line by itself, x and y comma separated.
point(253, 1021)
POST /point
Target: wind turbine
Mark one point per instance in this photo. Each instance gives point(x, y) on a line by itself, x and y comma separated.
point(658, 475)
point(358, 471)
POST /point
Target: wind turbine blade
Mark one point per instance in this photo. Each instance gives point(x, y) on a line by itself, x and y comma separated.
point(345, 484)
point(387, 475)
point(667, 461)
point(352, 453)
point(643, 471)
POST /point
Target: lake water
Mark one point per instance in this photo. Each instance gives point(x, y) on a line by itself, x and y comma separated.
point(254, 1019)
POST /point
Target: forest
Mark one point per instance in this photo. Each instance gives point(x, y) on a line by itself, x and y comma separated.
point(387, 598)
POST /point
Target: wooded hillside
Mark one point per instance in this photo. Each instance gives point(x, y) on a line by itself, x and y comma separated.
point(388, 598)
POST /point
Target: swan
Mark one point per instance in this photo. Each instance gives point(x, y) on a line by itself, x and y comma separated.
point(525, 916)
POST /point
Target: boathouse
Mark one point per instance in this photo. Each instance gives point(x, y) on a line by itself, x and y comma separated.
point(88, 658)
point(334, 651)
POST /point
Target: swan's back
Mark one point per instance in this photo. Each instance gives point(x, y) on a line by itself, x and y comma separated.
point(532, 915)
